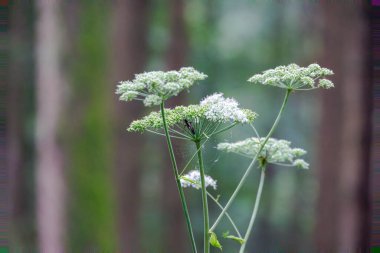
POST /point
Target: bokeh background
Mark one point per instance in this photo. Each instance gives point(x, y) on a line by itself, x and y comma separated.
point(79, 182)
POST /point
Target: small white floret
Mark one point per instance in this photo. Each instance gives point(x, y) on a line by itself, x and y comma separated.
point(193, 179)
point(300, 163)
point(223, 109)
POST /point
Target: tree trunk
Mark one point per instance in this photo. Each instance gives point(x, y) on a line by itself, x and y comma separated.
point(8, 144)
point(129, 54)
point(343, 204)
point(19, 109)
point(171, 205)
point(88, 128)
point(50, 183)
point(178, 45)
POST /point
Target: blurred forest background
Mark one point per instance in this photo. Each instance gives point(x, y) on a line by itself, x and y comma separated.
point(79, 182)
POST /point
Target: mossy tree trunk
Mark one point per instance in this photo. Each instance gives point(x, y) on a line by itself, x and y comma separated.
point(88, 128)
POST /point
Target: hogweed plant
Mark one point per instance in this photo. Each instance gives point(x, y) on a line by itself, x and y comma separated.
point(213, 115)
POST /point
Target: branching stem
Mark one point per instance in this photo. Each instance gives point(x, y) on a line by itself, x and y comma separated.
point(243, 179)
point(227, 214)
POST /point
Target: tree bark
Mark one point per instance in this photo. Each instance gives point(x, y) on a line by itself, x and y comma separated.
point(50, 183)
point(19, 109)
point(87, 128)
point(14, 119)
point(129, 55)
point(171, 206)
point(7, 145)
point(178, 44)
point(343, 203)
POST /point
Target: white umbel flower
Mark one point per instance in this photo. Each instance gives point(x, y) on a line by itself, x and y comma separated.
point(223, 109)
point(193, 179)
point(294, 77)
point(275, 151)
point(197, 121)
point(157, 86)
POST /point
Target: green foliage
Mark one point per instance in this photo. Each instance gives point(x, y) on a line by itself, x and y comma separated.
point(214, 241)
point(234, 238)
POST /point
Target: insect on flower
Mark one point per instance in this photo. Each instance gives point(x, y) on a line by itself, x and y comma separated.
point(189, 126)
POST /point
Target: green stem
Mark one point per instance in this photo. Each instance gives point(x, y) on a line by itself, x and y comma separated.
point(178, 181)
point(243, 179)
point(192, 157)
point(224, 129)
point(227, 214)
point(204, 199)
point(254, 213)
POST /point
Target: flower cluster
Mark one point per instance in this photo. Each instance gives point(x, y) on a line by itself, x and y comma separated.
point(156, 86)
point(294, 77)
point(275, 151)
point(174, 116)
point(193, 179)
point(224, 109)
point(197, 119)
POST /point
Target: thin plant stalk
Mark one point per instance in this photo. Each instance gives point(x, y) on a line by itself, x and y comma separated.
point(245, 176)
point(227, 214)
point(196, 152)
point(178, 181)
point(204, 200)
point(255, 209)
point(224, 129)
point(192, 157)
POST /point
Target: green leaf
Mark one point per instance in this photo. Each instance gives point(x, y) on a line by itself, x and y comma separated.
point(232, 237)
point(225, 234)
point(214, 241)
